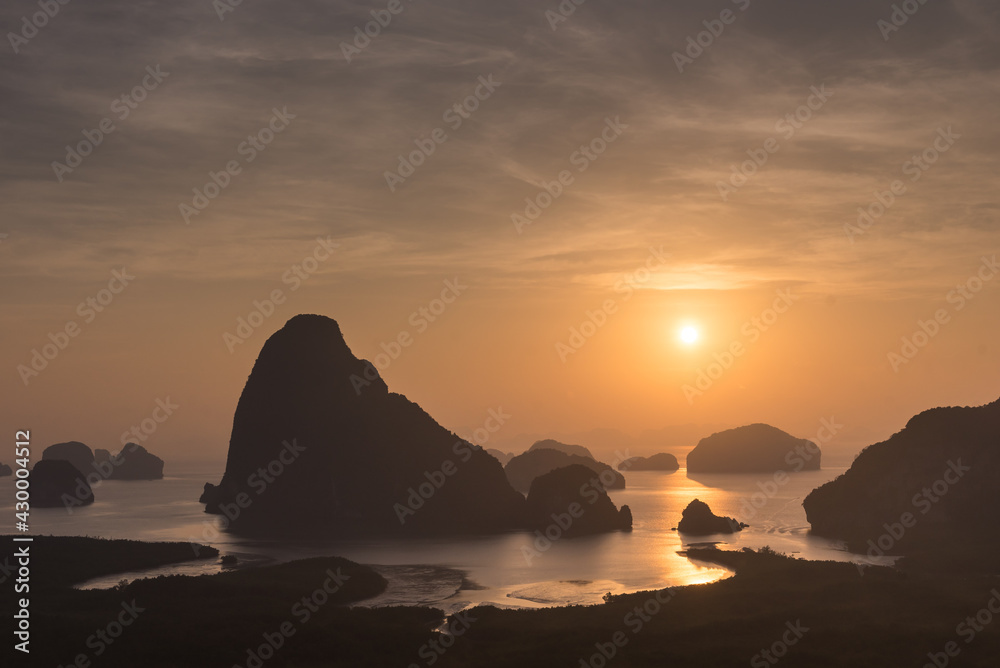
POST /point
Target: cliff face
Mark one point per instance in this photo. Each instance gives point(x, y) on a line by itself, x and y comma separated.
point(755, 448)
point(936, 479)
point(319, 444)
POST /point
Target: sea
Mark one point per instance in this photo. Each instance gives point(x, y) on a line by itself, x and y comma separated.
point(523, 570)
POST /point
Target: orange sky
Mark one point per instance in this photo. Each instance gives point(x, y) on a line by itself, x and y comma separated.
point(715, 263)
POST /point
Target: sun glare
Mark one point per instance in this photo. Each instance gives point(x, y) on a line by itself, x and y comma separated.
point(689, 335)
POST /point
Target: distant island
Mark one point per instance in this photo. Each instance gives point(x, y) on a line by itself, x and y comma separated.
point(659, 462)
point(76, 453)
point(132, 462)
point(755, 448)
point(524, 468)
point(5, 471)
point(930, 485)
point(67, 472)
point(569, 449)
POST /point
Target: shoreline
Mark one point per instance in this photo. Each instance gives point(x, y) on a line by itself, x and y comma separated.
point(428, 585)
point(861, 618)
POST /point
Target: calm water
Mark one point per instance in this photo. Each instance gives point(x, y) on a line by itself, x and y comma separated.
point(495, 568)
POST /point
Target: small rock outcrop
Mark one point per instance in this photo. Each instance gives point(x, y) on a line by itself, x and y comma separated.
point(551, 444)
point(134, 462)
point(699, 520)
point(524, 468)
point(659, 462)
point(56, 483)
point(5, 471)
point(566, 502)
point(74, 452)
point(755, 448)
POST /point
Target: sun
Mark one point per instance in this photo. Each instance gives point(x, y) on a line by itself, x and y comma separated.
point(689, 335)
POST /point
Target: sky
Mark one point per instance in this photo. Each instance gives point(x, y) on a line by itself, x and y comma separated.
point(613, 173)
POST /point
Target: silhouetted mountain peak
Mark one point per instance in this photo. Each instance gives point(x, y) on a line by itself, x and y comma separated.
point(325, 330)
point(309, 343)
point(347, 456)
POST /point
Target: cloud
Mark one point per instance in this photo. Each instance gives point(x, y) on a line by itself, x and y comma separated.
point(658, 185)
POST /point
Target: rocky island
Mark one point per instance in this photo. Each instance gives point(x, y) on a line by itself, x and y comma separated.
point(76, 453)
point(755, 448)
point(699, 520)
point(569, 449)
point(56, 482)
point(133, 462)
point(658, 462)
point(524, 468)
point(572, 499)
